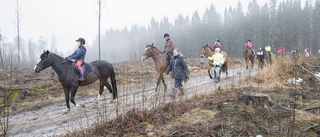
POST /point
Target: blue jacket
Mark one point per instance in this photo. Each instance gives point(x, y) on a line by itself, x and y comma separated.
point(79, 54)
point(178, 66)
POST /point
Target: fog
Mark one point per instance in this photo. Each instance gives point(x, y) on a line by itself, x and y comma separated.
point(292, 23)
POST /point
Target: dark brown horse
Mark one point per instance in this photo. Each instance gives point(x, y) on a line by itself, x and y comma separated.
point(69, 81)
point(160, 63)
point(248, 56)
point(266, 59)
point(207, 52)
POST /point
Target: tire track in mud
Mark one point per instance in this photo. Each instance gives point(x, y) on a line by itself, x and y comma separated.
point(51, 120)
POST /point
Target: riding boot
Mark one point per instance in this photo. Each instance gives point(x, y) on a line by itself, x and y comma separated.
point(173, 93)
point(181, 93)
point(81, 78)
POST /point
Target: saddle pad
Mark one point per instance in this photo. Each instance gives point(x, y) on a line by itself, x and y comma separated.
point(87, 68)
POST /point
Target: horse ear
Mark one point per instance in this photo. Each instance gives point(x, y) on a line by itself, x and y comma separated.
point(47, 52)
point(152, 44)
point(207, 44)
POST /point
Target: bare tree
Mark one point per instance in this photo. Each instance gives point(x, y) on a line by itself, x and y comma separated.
point(99, 2)
point(1, 58)
point(18, 26)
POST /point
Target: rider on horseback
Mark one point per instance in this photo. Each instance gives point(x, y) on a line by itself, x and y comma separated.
point(218, 61)
point(260, 54)
point(249, 45)
point(216, 45)
point(268, 49)
point(282, 50)
point(168, 47)
point(79, 56)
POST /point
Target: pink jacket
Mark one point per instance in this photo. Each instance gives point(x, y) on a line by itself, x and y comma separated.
point(282, 49)
point(249, 45)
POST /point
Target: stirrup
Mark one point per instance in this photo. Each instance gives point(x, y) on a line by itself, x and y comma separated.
point(81, 78)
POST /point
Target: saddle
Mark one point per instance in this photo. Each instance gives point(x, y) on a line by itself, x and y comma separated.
point(86, 67)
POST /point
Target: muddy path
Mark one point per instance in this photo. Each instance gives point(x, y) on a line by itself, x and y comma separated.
point(54, 119)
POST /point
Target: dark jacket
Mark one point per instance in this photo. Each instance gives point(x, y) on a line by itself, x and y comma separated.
point(260, 55)
point(79, 54)
point(178, 66)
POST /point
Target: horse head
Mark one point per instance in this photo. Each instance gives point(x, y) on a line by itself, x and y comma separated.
point(45, 62)
point(148, 51)
point(206, 51)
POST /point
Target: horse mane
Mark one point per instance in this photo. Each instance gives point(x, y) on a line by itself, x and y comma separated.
point(154, 47)
point(56, 55)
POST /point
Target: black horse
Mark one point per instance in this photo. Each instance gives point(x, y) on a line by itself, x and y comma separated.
point(69, 81)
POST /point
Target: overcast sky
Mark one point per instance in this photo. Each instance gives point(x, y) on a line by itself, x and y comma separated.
point(69, 19)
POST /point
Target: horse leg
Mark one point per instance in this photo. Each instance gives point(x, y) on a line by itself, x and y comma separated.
point(73, 93)
point(158, 82)
point(209, 72)
point(101, 87)
point(247, 61)
point(66, 95)
point(252, 62)
point(226, 69)
point(164, 83)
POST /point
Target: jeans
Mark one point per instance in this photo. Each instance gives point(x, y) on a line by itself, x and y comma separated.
point(177, 83)
point(217, 71)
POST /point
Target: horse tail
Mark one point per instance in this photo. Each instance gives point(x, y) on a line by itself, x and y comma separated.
point(114, 84)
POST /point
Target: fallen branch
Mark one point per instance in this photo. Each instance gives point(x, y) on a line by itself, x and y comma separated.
point(259, 98)
point(313, 127)
point(268, 131)
point(309, 71)
point(311, 108)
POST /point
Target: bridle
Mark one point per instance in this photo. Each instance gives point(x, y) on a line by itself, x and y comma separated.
point(40, 66)
point(152, 56)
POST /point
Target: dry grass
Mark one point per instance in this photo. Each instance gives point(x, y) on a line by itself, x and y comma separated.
point(220, 114)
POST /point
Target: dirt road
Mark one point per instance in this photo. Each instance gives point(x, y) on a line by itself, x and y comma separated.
point(53, 119)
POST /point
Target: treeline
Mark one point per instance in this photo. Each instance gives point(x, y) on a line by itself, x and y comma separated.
point(276, 22)
point(29, 53)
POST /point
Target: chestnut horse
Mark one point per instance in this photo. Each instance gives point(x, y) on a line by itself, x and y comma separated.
point(160, 63)
point(207, 52)
point(248, 56)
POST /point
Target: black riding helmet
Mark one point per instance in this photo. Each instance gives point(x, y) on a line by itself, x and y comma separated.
point(166, 35)
point(217, 40)
point(81, 40)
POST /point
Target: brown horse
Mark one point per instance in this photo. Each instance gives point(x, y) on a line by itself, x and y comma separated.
point(160, 63)
point(207, 52)
point(248, 56)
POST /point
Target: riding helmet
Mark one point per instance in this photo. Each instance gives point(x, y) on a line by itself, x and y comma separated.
point(166, 35)
point(217, 40)
point(81, 40)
